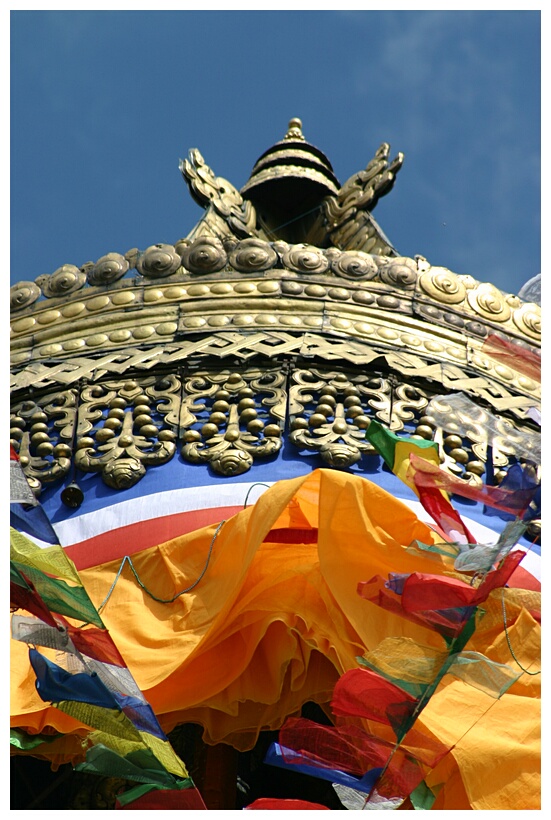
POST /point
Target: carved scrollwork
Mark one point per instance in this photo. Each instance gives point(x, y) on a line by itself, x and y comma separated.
point(400, 273)
point(122, 459)
point(528, 319)
point(23, 294)
point(159, 260)
point(305, 259)
point(348, 221)
point(238, 216)
point(39, 434)
point(108, 268)
point(205, 255)
point(443, 285)
point(251, 255)
point(122, 431)
point(352, 264)
point(328, 417)
point(66, 279)
point(225, 420)
point(489, 302)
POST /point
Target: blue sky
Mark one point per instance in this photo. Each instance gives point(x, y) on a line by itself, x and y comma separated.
point(104, 103)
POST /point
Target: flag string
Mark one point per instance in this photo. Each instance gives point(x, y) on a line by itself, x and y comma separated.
point(128, 560)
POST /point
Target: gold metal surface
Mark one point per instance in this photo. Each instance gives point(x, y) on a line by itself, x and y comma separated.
point(219, 343)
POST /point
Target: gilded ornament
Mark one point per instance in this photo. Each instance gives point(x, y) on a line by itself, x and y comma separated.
point(123, 297)
point(61, 282)
point(98, 303)
point(443, 285)
point(166, 328)
point(251, 255)
point(23, 294)
point(318, 291)
point(107, 269)
point(221, 288)
point(489, 302)
point(353, 265)
point(291, 288)
point(143, 332)
point(198, 290)
point(454, 320)
point(340, 294)
point(528, 319)
point(305, 259)
point(119, 336)
point(400, 273)
point(73, 309)
point(432, 346)
point(234, 423)
point(244, 287)
point(243, 320)
point(123, 473)
point(363, 298)
point(153, 295)
point(388, 333)
point(205, 255)
point(50, 350)
point(96, 339)
point(476, 328)
point(46, 317)
point(340, 456)
point(232, 462)
point(268, 287)
point(194, 321)
point(227, 211)
point(218, 320)
point(158, 260)
point(388, 301)
point(174, 292)
point(21, 325)
point(347, 218)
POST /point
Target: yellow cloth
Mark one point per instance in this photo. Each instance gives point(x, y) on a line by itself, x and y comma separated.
point(272, 625)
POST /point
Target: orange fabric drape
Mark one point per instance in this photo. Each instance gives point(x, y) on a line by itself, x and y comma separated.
point(273, 624)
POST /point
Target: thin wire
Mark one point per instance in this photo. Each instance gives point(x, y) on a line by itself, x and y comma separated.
point(257, 484)
point(509, 640)
point(272, 231)
point(128, 560)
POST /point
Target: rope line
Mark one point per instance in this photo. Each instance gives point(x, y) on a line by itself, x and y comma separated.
point(509, 640)
point(128, 560)
point(257, 484)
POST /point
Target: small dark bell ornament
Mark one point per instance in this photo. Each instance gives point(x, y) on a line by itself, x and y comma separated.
point(72, 496)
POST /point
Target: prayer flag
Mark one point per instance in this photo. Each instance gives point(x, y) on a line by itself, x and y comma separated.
point(396, 450)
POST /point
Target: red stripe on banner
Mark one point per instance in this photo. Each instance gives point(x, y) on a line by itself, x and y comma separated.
point(133, 538)
point(522, 579)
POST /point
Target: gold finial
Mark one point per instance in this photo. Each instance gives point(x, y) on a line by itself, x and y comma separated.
point(295, 130)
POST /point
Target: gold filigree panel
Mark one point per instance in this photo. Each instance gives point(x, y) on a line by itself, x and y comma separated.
point(331, 410)
point(229, 419)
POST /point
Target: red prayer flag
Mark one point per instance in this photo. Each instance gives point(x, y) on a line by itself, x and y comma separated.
point(428, 476)
point(422, 592)
point(363, 693)
point(166, 799)
point(95, 643)
point(285, 804)
point(27, 598)
point(519, 358)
